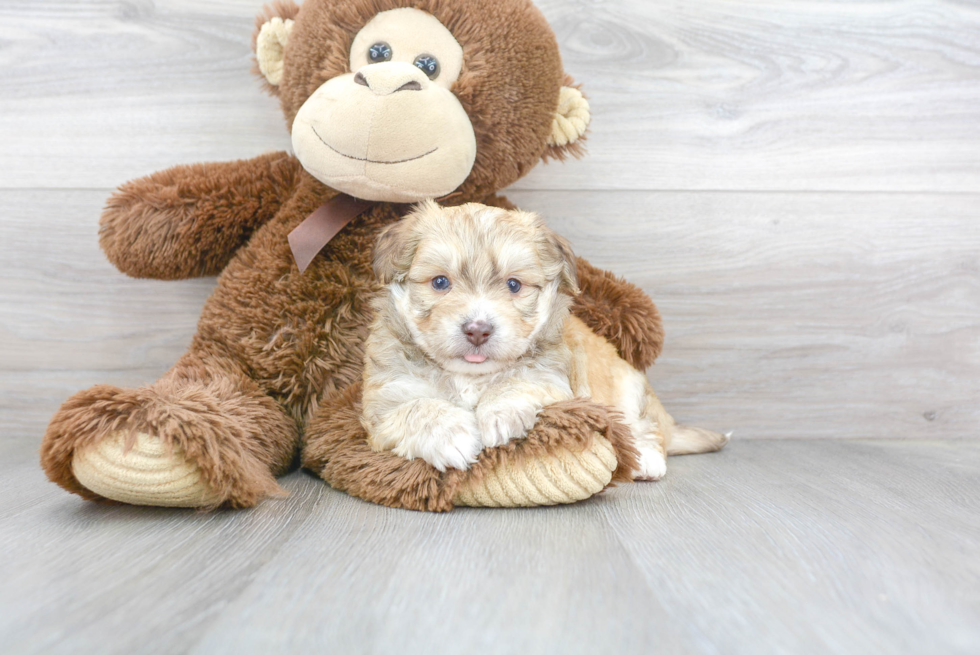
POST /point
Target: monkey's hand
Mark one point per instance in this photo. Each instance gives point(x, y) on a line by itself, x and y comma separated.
point(621, 313)
point(188, 221)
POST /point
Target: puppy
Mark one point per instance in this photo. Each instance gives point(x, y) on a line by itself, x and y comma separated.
point(472, 337)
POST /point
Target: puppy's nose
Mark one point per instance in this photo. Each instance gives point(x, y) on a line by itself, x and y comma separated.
point(477, 332)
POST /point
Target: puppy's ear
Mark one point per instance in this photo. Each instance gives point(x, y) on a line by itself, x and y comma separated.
point(569, 271)
point(396, 245)
point(558, 258)
point(392, 258)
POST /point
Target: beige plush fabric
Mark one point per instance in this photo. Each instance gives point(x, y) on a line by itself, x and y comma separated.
point(565, 477)
point(148, 473)
point(374, 143)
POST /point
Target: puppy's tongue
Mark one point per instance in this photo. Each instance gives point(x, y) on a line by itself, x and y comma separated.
point(475, 359)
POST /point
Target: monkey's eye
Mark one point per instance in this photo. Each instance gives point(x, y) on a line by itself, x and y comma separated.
point(513, 285)
point(379, 52)
point(440, 283)
point(429, 65)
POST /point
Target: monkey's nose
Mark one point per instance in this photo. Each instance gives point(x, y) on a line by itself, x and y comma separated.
point(477, 332)
point(390, 77)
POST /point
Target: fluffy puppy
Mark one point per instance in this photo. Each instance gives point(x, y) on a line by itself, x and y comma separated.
point(472, 337)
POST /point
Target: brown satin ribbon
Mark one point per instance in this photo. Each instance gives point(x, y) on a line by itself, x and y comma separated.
point(316, 230)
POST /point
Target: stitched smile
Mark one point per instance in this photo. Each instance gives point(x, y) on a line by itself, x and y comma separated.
point(371, 161)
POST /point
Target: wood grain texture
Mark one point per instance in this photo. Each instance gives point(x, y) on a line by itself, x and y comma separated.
point(766, 547)
point(774, 95)
point(762, 95)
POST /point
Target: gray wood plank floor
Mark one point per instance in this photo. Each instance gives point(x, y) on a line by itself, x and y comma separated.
point(797, 185)
point(770, 547)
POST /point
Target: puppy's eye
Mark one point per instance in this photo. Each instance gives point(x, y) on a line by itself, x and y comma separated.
point(429, 65)
point(513, 285)
point(440, 283)
point(379, 52)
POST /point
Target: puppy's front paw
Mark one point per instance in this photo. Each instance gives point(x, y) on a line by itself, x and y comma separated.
point(450, 440)
point(505, 420)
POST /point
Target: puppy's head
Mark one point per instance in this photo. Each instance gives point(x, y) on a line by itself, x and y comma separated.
point(476, 287)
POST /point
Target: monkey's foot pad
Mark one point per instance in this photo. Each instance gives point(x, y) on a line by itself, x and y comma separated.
point(561, 478)
point(147, 473)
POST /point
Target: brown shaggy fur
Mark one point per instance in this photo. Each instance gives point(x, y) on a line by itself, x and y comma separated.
point(272, 343)
point(188, 221)
point(620, 312)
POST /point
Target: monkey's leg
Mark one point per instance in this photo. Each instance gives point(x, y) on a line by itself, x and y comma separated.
point(188, 221)
point(205, 435)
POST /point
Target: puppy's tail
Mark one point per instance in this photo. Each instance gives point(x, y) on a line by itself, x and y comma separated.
point(685, 440)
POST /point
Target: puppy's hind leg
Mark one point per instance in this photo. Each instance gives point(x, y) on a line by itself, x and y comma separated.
point(649, 441)
point(651, 426)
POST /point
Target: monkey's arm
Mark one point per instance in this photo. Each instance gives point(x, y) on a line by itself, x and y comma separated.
point(621, 313)
point(614, 309)
point(188, 221)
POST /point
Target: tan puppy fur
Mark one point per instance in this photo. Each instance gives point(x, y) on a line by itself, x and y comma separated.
point(473, 337)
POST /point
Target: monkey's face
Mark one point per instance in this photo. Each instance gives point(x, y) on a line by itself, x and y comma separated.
point(391, 130)
point(403, 100)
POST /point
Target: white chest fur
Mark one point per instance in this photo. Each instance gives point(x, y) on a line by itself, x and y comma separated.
point(466, 390)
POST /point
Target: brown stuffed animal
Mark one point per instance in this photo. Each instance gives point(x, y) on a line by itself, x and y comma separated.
point(389, 102)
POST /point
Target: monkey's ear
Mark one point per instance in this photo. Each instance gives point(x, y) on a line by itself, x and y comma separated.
point(570, 122)
point(272, 28)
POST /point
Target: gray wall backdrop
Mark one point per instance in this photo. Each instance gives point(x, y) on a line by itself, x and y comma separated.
point(797, 185)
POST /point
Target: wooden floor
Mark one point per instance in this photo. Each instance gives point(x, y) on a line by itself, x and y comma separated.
point(771, 547)
point(795, 182)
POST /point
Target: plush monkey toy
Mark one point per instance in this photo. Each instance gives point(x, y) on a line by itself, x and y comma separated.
point(388, 102)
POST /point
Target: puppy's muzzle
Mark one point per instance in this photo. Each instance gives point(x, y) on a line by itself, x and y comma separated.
point(477, 332)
